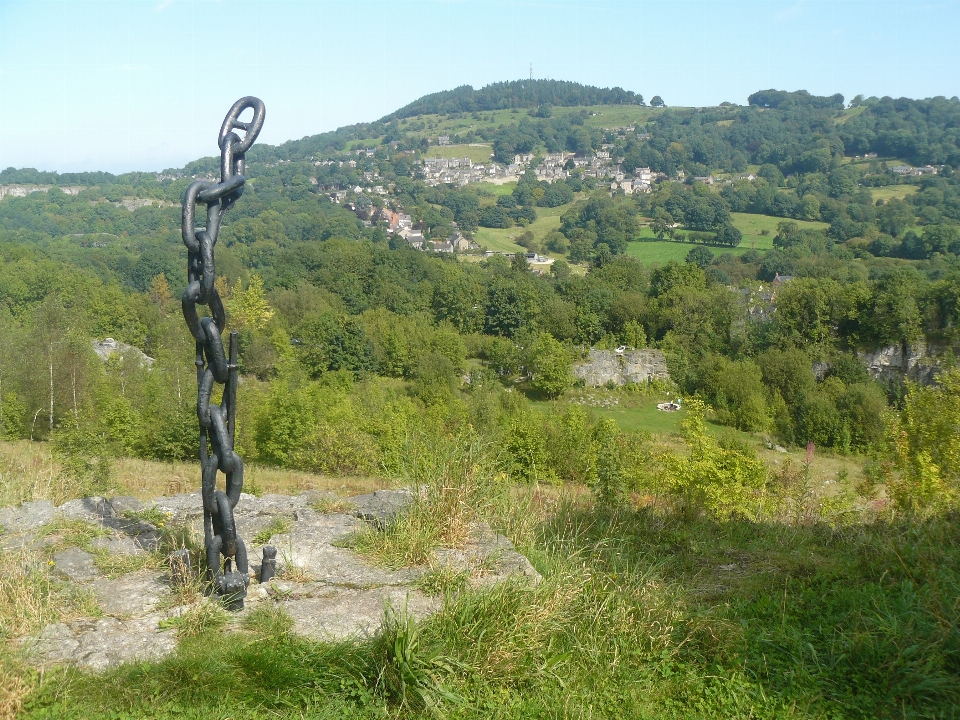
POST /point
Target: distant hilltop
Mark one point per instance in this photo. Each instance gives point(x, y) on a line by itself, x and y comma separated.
point(515, 94)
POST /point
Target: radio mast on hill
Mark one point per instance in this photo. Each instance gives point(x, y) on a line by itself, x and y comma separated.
point(531, 70)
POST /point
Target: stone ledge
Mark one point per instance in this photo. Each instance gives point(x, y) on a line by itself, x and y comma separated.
point(340, 594)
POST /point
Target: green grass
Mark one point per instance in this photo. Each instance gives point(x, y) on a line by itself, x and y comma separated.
point(612, 116)
point(751, 225)
point(501, 239)
point(606, 116)
point(477, 153)
point(643, 416)
point(277, 526)
point(497, 189)
point(849, 113)
point(891, 192)
point(658, 252)
point(640, 615)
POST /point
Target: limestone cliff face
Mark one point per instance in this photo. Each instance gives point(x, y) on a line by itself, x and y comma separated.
point(917, 363)
point(24, 190)
point(633, 366)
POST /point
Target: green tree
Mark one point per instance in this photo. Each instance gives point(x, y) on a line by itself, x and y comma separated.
point(925, 477)
point(334, 341)
point(730, 235)
point(609, 481)
point(721, 482)
point(549, 363)
point(700, 256)
point(662, 224)
point(249, 308)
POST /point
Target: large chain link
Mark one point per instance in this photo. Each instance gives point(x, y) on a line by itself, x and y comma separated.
point(228, 579)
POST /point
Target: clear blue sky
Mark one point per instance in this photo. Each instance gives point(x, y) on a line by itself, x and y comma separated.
point(124, 85)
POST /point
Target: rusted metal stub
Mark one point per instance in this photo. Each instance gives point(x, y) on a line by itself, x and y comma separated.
point(226, 554)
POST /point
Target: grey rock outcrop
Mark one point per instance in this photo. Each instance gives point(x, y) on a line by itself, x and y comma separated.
point(339, 613)
point(99, 643)
point(632, 366)
point(892, 363)
point(91, 509)
point(74, 564)
point(313, 545)
point(28, 516)
point(328, 590)
point(381, 507)
point(108, 347)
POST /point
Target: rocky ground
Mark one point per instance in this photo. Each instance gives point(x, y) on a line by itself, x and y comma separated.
point(328, 590)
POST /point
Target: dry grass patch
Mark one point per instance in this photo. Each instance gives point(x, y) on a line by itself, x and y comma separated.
point(31, 598)
point(331, 505)
point(16, 683)
point(458, 485)
point(29, 472)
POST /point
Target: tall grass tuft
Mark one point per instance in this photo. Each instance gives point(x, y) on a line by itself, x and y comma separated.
point(455, 482)
point(31, 598)
point(411, 672)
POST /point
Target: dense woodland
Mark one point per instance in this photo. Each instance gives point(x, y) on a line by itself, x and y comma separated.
point(515, 94)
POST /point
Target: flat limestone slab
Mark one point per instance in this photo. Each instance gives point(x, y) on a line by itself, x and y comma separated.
point(339, 613)
point(101, 643)
point(334, 594)
point(311, 545)
point(28, 516)
point(74, 564)
point(132, 595)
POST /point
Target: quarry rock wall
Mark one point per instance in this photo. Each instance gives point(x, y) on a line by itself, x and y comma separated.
point(632, 366)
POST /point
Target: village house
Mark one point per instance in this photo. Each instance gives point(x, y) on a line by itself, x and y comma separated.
point(643, 175)
point(778, 282)
point(413, 237)
point(460, 244)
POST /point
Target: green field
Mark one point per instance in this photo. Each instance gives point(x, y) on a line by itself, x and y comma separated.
point(849, 113)
point(644, 416)
point(501, 239)
point(891, 192)
point(496, 189)
point(612, 116)
point(478, 153)
point(658, 252)
point(751, 225)
point(467, 122)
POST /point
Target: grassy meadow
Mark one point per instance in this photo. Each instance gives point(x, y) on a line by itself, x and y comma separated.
point(812, 610)
point(501, 239)
point(602, 116)
point(478, 153)
point(891, 192)
point(657, 252)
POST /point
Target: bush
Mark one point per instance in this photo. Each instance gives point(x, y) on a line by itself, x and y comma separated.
point(711, 479)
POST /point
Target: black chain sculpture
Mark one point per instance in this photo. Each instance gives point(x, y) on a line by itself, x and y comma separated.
point(218, 422)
